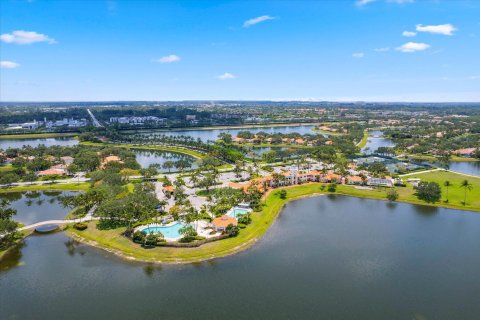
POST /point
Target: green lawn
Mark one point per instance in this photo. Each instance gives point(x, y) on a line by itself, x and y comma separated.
point(425, 157)
point(113, 241)
point(54, 187)
point(193, 153)
point(316, 130)
point(455, 193)
point(38, 135)
point(364, 140)
point(6, 168)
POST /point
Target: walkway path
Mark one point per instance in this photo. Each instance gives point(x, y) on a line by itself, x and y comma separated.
point(439, 169)
point(415, 173)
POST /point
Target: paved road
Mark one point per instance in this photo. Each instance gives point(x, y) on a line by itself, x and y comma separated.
point(96, 123)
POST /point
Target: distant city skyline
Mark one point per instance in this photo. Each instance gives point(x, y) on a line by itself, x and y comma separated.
point(355, 50)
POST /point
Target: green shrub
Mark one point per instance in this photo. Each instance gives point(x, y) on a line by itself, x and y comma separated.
point(283, 194)
point(153, 239)
point(187, 239)
point(392, 195)
point(332, 187)
point(139, 237)
point(244, 219)
point(232, 230)
point(80, 226)
point(242, 226)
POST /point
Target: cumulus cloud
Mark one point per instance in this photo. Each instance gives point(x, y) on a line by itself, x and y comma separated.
point(382, 49)
point(413, 47)
point(25, 37)
point(445, 29)
point(409, 33)
point(168, 59)
point(8, 64)
point(358, 55)
point(226, 76)
point(254, 21)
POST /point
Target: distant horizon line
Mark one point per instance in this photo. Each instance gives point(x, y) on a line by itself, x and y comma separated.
point(237, 100)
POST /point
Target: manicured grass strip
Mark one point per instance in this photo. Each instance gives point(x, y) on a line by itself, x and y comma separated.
point(54, 187)
point(38, 135)
point(6, 168)
point(274, 145)
point(330, 133)
point(364, 140)
point(193, 153)
point(424, 157)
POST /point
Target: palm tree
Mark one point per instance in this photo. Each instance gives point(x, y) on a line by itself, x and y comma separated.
point(447, 184)
point(194, 178)
point(466, 185)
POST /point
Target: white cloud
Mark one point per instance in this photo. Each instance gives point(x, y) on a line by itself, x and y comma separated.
point(25, 37)
point(8, 64)
point(401, 1)
point(168, 59)
point(256, 20)
point(409, 33)
point(413, 47)
point(226, 76)
point(361, 3)
point(445, 29)
point(382, 49)
point(358, 55)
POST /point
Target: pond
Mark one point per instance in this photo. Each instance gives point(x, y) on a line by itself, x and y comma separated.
point(212, 134)
point(324, 258)
point(282, 152)
point(36, 206)
point(470, 167)
point(19, 143)
point(375, 141)
point(147, 158)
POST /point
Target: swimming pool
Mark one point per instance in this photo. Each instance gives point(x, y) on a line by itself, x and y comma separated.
point(170, 232)
point(235, 211)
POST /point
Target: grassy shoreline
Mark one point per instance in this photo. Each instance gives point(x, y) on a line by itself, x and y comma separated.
point(82, 186)
point(193, 153)
point(364, 140)
point(114, 242)
point(246, 126)
point(38, 135)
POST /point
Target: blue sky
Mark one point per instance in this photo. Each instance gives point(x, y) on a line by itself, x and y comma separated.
point(373, 50)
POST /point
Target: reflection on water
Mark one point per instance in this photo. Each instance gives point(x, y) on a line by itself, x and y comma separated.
point(376, 140)
point(35, 206)
point(48, 142)
point(212, 134)
point(328, 257)
point(12, 257)
point(158, 158)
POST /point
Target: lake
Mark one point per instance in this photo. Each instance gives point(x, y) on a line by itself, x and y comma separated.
point(147, 158)
point(470, 167)
point(375, 141)
point(19, 143)
point(36, 206)
point(327, 257)
point(212, 134)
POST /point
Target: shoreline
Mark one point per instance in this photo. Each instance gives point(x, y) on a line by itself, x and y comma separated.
point(265, 219)
point(227, 127)
point(37, 135)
